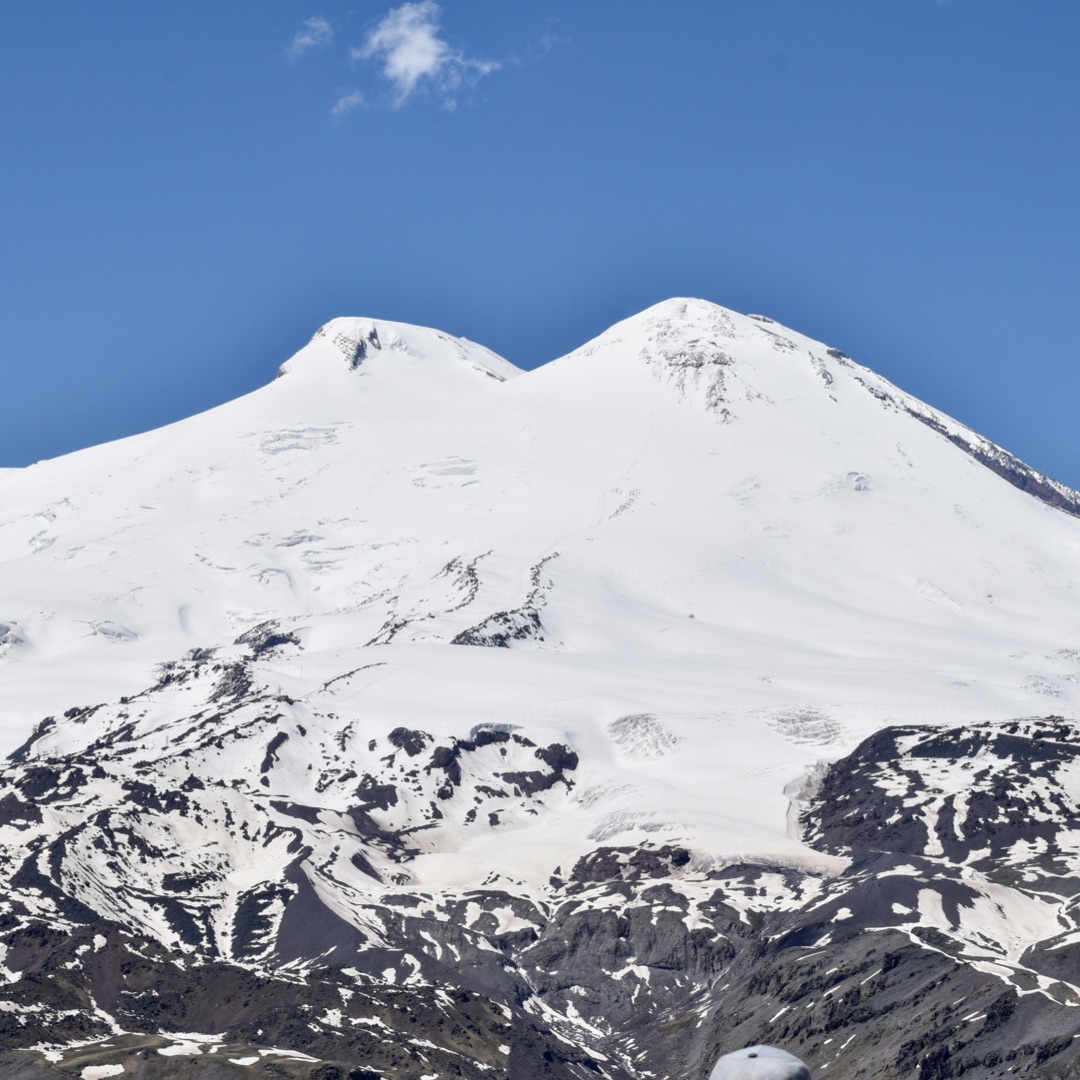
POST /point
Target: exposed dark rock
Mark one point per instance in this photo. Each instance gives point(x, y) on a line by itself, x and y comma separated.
point(502, 628)
point(233, 682)
point(1006, 465)
point(275, 744)
point(13, 811)
point(640, 961)
point(266, 637)
point(412, 742)
point(376, 795)
point(628, 864)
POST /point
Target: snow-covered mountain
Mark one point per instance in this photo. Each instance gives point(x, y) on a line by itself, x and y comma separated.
point(412, 674)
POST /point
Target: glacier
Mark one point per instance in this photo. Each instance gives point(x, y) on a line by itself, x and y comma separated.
point(412, 670)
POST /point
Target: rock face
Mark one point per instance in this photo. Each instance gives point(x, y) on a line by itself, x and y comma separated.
point(947, 946)
point(417, 717)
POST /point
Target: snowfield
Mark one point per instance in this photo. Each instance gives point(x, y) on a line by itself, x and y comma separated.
point(409, 634)
point(700, 517)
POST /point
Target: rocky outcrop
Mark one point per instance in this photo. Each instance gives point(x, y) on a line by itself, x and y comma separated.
point(945, 949)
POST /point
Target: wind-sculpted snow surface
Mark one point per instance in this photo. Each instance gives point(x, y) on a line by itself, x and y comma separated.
point(417, 717)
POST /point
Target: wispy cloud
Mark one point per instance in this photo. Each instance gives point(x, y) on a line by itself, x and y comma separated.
point(411, 53)
point(347, 102)
point(549, 40)
point(315, 33)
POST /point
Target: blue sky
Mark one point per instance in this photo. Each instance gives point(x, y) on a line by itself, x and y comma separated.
point(189, 190)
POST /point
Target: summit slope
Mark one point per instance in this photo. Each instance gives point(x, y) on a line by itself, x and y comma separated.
point(688, 462)
point(698, 515)
point(410, 657)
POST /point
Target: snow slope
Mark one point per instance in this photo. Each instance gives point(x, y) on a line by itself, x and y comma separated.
point(411, 669)
point(699, 517)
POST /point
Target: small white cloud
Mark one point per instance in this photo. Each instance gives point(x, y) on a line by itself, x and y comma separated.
point(347, 102)
point(549, 41)
point(407, 45)
point(316, 33)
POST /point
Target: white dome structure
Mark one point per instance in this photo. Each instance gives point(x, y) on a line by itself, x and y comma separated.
point(759, 1063)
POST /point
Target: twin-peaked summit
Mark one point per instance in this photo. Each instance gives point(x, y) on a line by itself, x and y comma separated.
point(702, 349)
point(726, 363)
point(399, 486)
point(416, 667)
point(678, 353)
